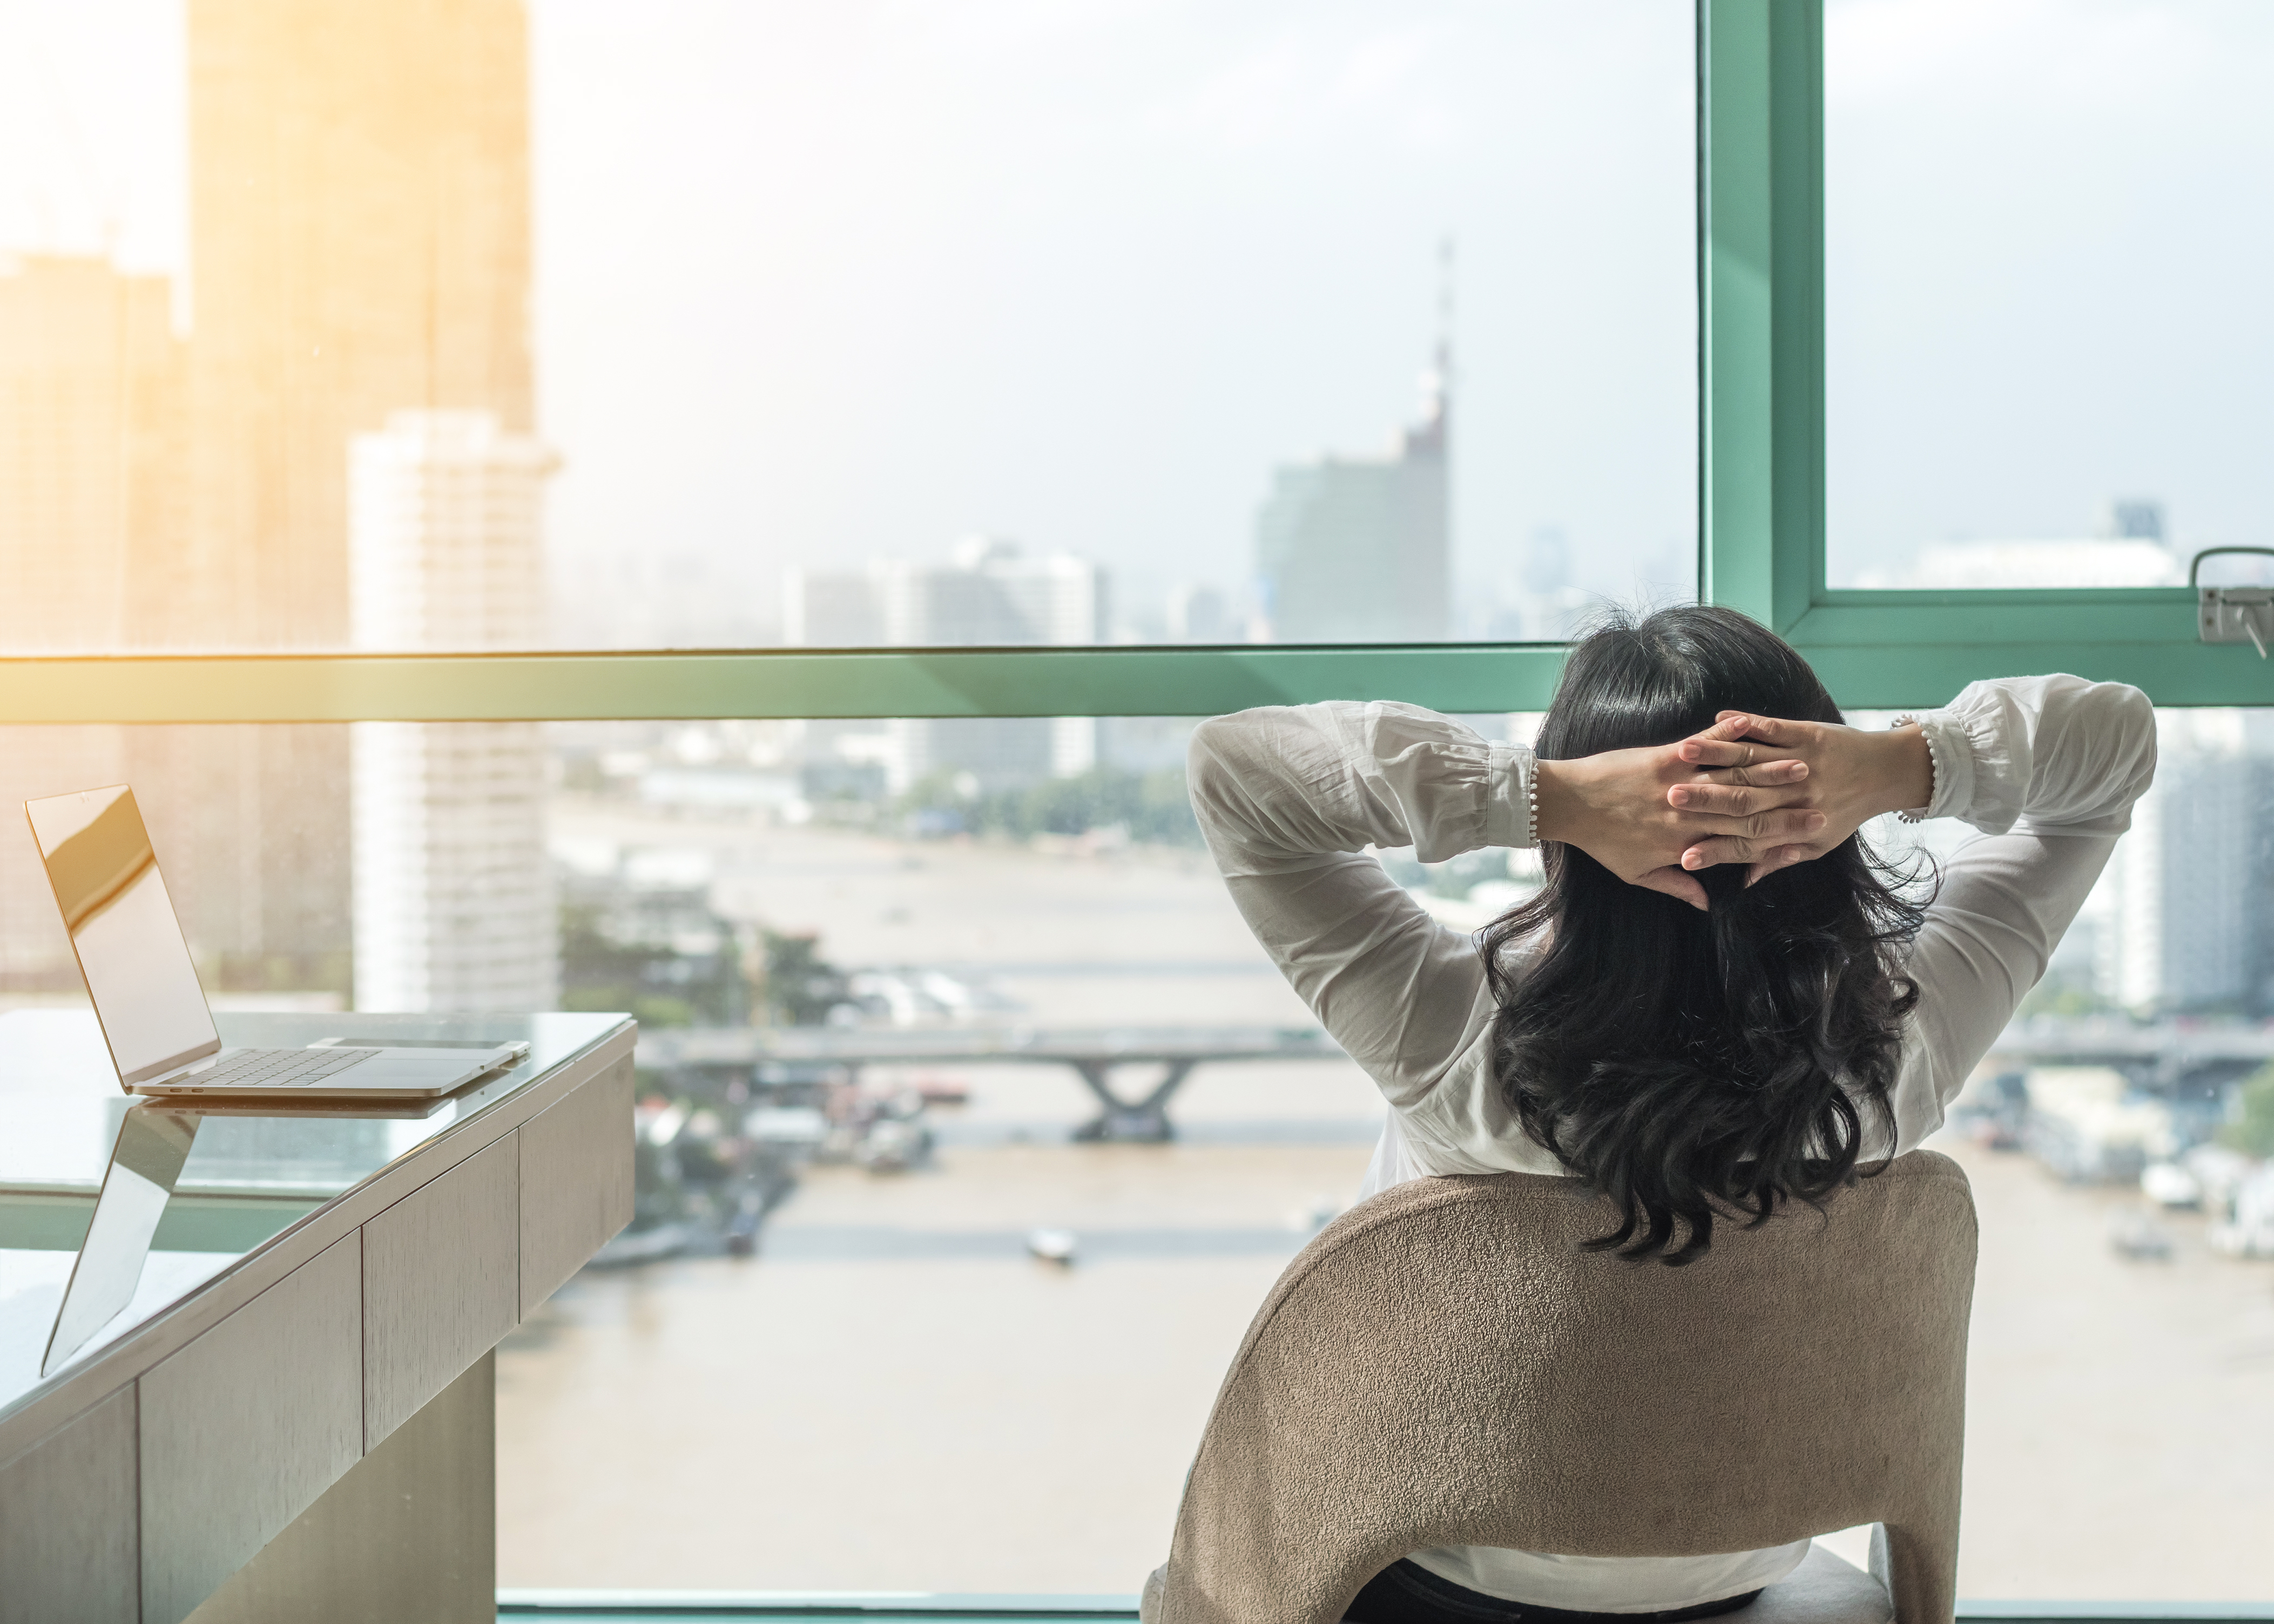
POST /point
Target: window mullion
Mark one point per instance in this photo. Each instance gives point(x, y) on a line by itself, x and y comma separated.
point(1760, 219)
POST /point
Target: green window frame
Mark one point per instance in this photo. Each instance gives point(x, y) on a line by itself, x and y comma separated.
point(1762, 525)
point(1761, 541)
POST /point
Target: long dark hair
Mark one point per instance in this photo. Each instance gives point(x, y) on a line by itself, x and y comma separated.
point(1682, 1061)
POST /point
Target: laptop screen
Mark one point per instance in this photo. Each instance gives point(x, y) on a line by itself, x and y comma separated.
point(123, 927)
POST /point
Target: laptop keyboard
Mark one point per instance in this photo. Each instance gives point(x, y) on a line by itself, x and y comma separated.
point(276, 1068)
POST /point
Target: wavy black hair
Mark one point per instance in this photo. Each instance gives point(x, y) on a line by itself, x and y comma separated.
point(1685, 1063)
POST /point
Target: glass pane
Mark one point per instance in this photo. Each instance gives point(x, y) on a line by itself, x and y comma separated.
point(906, 1306)
point(909, 1303)
point(935, 1406)
point(2121, 1142)
point(251, 827)
point(738, 325)
point(2048, 349)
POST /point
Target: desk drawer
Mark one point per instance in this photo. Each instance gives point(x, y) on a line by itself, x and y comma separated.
point(245, 1426)
point(441, 1285)
point(575, 1181)
point(67, 1522)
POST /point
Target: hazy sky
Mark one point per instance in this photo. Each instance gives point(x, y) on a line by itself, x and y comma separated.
point(2050, 243)
point(826, 283)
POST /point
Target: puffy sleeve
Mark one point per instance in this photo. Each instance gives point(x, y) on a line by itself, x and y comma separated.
point(2047, 768)
point(1291, 797)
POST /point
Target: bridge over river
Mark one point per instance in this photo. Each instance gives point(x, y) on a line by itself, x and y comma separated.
point(1094, 1053)
point(2166, 1055)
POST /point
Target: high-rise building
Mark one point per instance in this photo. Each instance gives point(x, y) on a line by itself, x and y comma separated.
point(93, 521)
point(446, 543)
point(2134, 518)
point(1356, 549)
point(359, 237)
point(990, 594)
point(93, 449)
point(1198, 613)
point(360, 245)
point(454, 907)
point(2181, 930)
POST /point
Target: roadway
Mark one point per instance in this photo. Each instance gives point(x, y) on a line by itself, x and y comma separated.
point(2161, 1055)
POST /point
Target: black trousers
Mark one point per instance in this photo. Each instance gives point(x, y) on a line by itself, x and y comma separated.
point(1402, 1593)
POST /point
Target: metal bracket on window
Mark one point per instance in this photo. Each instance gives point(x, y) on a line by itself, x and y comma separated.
point(2234, 613)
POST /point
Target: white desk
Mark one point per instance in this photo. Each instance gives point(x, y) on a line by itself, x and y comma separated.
point(292, 1419)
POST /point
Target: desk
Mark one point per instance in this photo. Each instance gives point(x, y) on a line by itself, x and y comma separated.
point(291, 1419)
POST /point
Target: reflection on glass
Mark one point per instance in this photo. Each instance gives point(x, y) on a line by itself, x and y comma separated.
point(136, 1207)
point(145, 1166)
point(95, 848)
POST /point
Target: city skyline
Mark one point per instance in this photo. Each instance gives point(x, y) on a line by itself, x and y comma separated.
point(360, 183)
point(657, 314)
point(398, 178)
point(1104, 353)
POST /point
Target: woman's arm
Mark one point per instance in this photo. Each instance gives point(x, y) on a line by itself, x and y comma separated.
point(2047, 768)
point(1290, 798)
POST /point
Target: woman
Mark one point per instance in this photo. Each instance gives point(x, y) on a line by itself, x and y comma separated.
point(1716, 1004)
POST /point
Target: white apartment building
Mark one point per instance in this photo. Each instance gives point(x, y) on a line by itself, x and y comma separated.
point(2179, 926)
point(2176, 920)
point(454, 905)
point(991, 593)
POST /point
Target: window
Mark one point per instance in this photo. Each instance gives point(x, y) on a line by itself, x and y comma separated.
point(901, 1389)
point(1009, 1307)
point(2117, 1137)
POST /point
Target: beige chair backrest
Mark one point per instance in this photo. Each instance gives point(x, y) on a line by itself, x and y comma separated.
point(1444, 1365)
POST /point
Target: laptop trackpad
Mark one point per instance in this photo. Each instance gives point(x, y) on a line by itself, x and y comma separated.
point(404, 1071)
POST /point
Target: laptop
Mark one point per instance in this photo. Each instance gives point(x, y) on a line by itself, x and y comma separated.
point(147, 997)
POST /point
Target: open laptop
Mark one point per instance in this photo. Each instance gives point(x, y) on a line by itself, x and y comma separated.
point(146, 991)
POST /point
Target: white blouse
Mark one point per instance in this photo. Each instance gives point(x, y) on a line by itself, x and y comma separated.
point(1291, 798)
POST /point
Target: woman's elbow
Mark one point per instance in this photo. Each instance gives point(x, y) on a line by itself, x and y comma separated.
point(1222, 763)
point(2136, 715)
point(1205, 751)
point(1224, 749)
point(2136, 709)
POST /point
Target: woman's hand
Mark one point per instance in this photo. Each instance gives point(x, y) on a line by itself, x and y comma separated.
point(1618, 808)
point(1742, 765)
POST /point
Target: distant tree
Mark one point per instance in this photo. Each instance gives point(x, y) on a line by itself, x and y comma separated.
point(647, 977)
point(2066, 993)
point(2250, 1129)
point(1152, 807)
point(801, 986)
